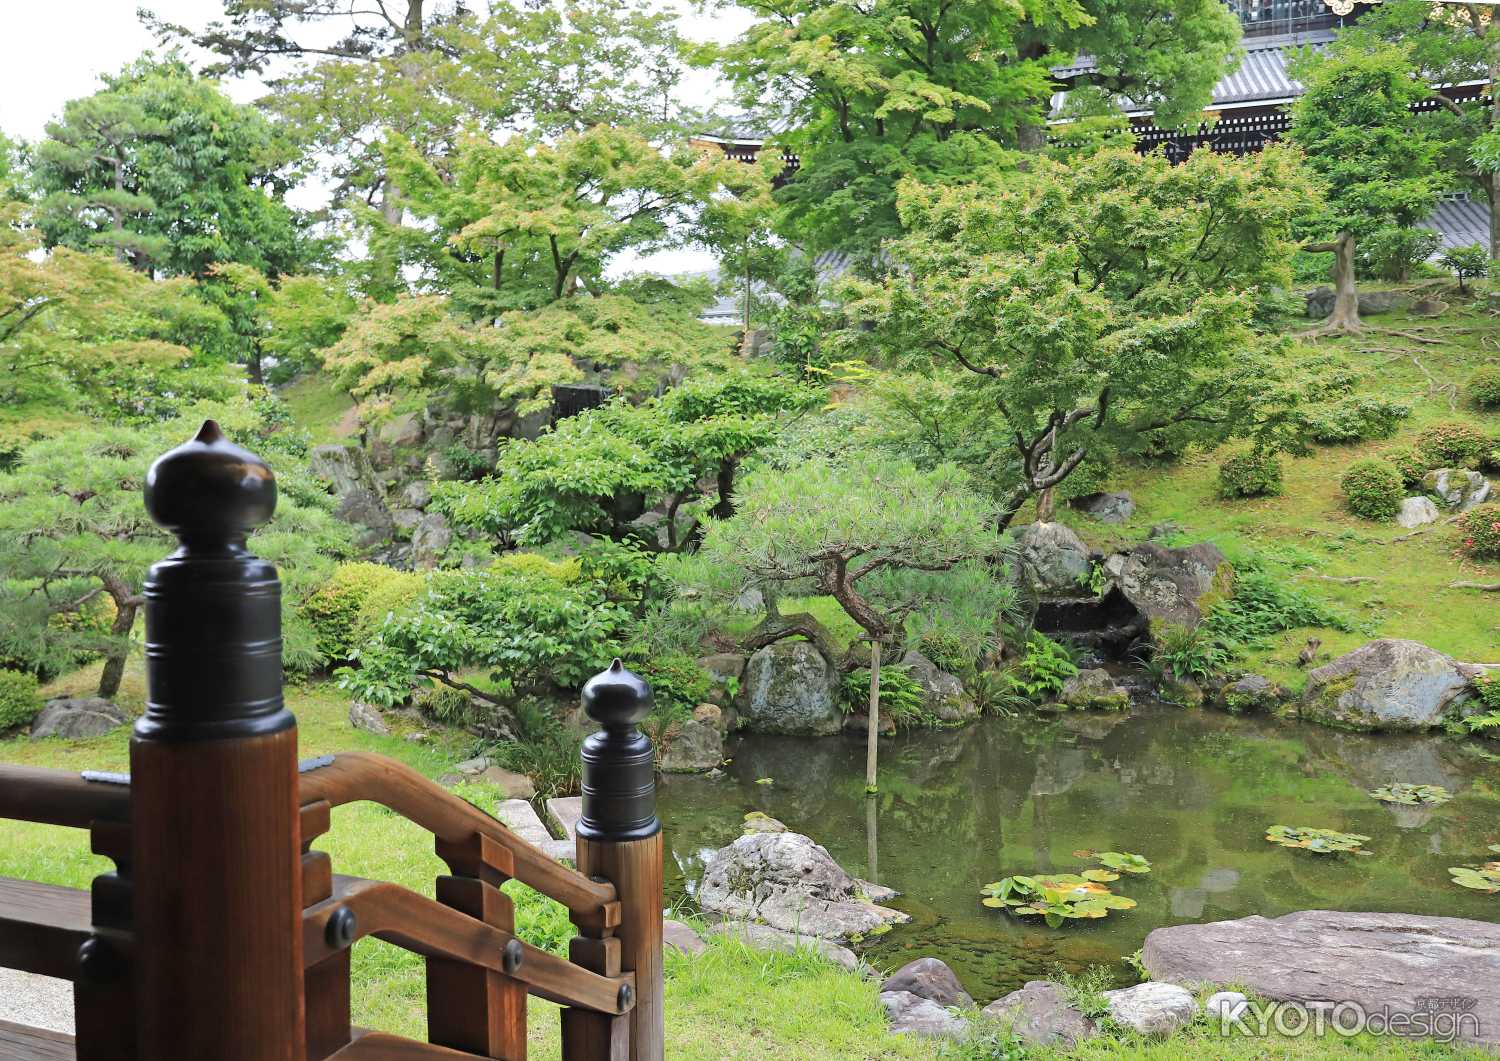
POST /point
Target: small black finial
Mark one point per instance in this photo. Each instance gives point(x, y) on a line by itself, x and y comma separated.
point(210, 490)
point(619, 764)
point(616, 698)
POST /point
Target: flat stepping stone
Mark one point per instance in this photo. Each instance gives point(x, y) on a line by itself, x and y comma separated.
point(1395, 963)
point(521, 818)
point(563, 813)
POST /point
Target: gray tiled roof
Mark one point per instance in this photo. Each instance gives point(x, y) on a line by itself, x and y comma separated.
point(1460, 222)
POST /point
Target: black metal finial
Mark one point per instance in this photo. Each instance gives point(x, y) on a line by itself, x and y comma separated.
point(213, 610)
point(209, 489)
point(619, 764)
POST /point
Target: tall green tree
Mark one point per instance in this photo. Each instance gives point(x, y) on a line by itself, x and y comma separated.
point(933, 91)
point(1101, 307)
point(1378, 159)
point(165, 170)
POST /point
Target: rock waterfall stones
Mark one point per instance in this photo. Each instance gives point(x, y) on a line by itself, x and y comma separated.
point(790, 688)
point(1378, 961)
point(1386, 684)
point(790, 883)
point(1172, 585)
point(1054, 559)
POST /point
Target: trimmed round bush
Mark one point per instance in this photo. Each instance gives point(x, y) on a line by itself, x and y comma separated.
point(1454, 444)
point(1372, 489)
point(1483, 387)
point(1357, 418)
point(1253, 474)
point(349, 607)
point(1410, 463)
point(1480, 527)
point(20, 698)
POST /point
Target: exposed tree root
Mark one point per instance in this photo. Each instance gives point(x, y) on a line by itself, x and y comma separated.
point(1483, 587)
point(1410, 336)
point(1345, 580)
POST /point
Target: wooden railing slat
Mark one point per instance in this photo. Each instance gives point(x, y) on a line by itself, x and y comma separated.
point(60, 797)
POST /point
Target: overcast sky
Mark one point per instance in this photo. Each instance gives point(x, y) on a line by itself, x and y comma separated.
point(54, 51)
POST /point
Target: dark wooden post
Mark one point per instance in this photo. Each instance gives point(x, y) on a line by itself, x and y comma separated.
point(619, 839)
point(215, 837)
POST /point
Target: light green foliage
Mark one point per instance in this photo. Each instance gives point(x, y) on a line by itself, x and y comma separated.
point(1391, 253)
point(350, 605)
point(73, 530)
point(1042, 669)
point(1466, 263)
point(306, 315)
point(678, 683)
point(1104, 307)
point(1480, 532)
point(1412, 795)
point(894, 90)
point(1483, 388)
point(528, 626)
point(901, 697)
point(1355, 122)
point(1253, 474)
point(598, 471)
point(1356, 418)
point(163, 169)
point(1318, 841)
point(1454, 444)
point(1372, 489)
point(20, 699)
point(526, 222)
point(1189, 652)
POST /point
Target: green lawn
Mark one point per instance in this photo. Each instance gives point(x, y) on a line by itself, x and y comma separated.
point(319, 407)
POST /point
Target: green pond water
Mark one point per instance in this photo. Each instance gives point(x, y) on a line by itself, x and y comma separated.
point(1193, 791)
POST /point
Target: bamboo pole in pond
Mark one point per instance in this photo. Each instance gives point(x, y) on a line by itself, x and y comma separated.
point(872, 738)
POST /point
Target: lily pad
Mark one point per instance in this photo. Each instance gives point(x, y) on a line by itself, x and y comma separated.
point(1413, 795)
point(1123, 861)
point(1484, 878)
point(1319, 841)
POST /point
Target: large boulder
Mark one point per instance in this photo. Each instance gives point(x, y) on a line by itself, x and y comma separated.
point(789, 687)
point(1172, 585)
point(1371, 303)
point(1093, 689)
point(942, 693)
point(1053, 558)
point(929, 978)
point(914, 1015)
point(430, 538)
point(344, 468)
point(77, 717)
point(1392, 963)
point(692, 747)
point(1457, 487)
point(728, 671)
point(1041, 1015)
point(791, 883)
point(1415, 511)
point(1386, 684)
point(1106, 507)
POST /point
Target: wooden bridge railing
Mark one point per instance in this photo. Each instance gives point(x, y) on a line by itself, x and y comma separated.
point(223, 934)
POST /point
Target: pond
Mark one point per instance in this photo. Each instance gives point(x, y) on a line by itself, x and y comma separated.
point(1193, 791)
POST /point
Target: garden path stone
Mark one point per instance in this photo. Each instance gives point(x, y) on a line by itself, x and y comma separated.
point(1041, 1014)
point(929, 978)
point(563, 813)
point(682, 938)
point(36, 1001)
point(1377, 961)
point(1152, 1008)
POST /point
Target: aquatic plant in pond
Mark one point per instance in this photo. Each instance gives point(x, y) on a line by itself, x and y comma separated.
point(1320, 841)
point(1055, 897)
point(1485, 878)
point(1123, 861)
point(1413, 795)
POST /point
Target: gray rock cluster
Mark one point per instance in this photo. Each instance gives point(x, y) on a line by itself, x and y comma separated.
point(77, 717)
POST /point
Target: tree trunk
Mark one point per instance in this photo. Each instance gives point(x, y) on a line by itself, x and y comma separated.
point(119, 650)
point(1046, 505)
point(725, 507)
point(872, 737)
point(1491, 184)
point(1345, 315)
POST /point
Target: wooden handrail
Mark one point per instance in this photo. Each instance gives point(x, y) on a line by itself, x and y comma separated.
point(62, 797)
point(378, 1046)
point(418, 924)
point(357, 776)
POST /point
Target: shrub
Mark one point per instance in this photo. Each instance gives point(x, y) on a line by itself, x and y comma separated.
point(1466, 263)
point(1410, 462)
point(1454, 444)
point(948, 651)
point(678, 683)
point(1253, 474)
point(1480, 528)
point(901, 697)
point(349, 607)
point(1043, 670)
point(1356, 418)
point(1391, 252)
point(1484, 387)
point(1372, 489)
point(20, 699)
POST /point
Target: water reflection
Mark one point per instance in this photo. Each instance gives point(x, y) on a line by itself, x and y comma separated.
point(1191, 790)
